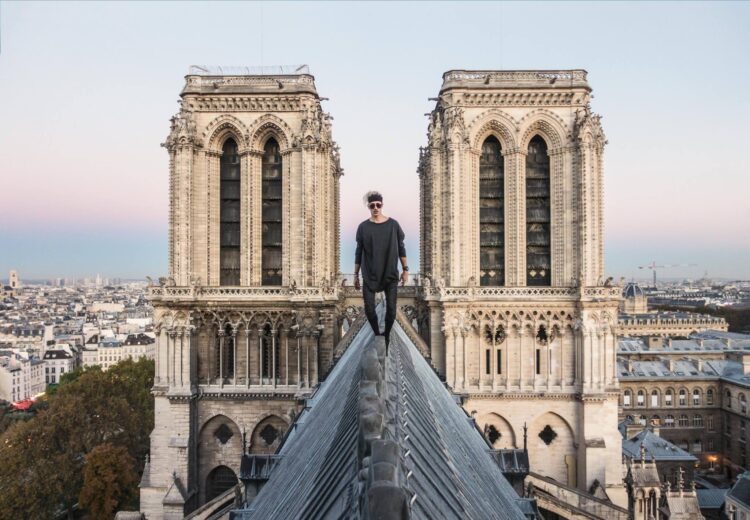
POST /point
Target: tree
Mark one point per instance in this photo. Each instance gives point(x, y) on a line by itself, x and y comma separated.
point(109, 481)
point(44, 458)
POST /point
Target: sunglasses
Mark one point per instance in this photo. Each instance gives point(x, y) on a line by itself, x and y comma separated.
point(373, 205)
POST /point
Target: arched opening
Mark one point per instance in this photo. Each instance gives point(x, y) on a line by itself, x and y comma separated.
point(271, 349)
point(267, 435)
point(538, 259)
point(497, 430)
point(271, 215)
point(226, 356)
point(654, 399)
point(491, 214)
point(218, 481)
point(552, 448)
point(229, 214)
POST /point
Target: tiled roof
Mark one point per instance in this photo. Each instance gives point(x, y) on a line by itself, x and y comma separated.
point(711, 498)
point(656, 447)
point(443, 468)
point(741, 489)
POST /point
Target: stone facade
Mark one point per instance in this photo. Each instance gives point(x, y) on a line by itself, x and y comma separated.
point(697, 398)
point(534, 345)
point(235, 360)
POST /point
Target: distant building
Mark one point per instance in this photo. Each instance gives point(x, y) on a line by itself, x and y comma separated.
point(636, 320)
point(58, 361)
point(13, 280)
point(106, 352)
point(21, 377)
point(696, 391)
point(737, 502)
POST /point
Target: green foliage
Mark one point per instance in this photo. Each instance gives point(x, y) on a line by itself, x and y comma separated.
point(44, 458)
point(109, 481)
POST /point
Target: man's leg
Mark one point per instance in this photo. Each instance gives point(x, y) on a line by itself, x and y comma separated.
point(391, 293)
point(372, 317)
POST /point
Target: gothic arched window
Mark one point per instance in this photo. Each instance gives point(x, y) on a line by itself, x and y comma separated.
point(218, 481)
point(491, 214)
point(229, 214)
point(538, 259)
point(271, 218)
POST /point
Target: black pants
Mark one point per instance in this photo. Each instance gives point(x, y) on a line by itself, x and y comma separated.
point(391, 291)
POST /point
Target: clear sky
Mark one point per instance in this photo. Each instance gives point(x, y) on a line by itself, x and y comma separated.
point(87, 90)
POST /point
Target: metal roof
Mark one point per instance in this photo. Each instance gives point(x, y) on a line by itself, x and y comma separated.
point(445, 465)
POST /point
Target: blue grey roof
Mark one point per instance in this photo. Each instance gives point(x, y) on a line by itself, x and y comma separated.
point(741, 489)
point(447, 470)
point(632, 290)
point(656, 447)
point(711, 498)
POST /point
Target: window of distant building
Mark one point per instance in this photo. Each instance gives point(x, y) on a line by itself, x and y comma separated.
point(743, 404)
point(742, 431)
point(710, 396)
point(696, 397)
point(669, 421)
point(710, 423)
point(491, 214)
point(697, 446)
point(654, 398)
point(641, 398)
point(538, 258)
point(271, 217)
point(229, 214)
point(728, 427)
point(655, 420)
point(710, 444)
point(683, 398)
point(728, 399)
point(626, 398)
point(683, 421)
point(668, 397)
point(698, 421)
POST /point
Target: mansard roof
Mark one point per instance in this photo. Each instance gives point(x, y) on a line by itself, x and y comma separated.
point(657, 448)
point(380, 410)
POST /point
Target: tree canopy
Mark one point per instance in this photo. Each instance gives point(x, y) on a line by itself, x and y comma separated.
point(92, 413)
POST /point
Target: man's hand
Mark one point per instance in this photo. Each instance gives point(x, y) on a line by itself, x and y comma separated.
point(356, 282)
point(404, 277)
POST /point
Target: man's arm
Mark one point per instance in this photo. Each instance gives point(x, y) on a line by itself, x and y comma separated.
point(358, 257)
point(402, 256)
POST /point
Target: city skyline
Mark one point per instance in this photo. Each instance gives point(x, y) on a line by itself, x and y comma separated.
point(87, 180)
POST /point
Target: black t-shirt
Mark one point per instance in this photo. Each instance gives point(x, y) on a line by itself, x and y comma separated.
point(378, 248)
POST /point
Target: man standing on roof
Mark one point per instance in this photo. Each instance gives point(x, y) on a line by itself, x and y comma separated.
point(380, 245)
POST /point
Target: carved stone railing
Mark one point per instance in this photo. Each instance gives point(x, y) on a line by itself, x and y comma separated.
point(489, 293)
point(530, 78)
point(182, 293)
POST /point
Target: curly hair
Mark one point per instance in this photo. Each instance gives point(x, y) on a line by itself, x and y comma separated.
point(371, 196)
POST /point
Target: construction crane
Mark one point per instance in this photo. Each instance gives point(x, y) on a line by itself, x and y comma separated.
point(654, 267)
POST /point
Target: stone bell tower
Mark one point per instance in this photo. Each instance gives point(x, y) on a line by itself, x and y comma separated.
point(521, 321)
point(246, 319)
